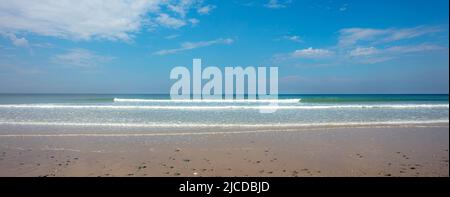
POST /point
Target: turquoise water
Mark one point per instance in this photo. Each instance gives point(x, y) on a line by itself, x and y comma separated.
point(25, 112)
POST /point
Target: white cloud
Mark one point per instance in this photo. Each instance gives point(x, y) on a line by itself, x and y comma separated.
point(308, 53)
point(414, 48)
point(408, 33)
point(358, 43)
point(194, 45)
point(20, 42)
point(276, 4)
point(393, 50)
point(194, 21)
point(371, 55)
point(372, 60)
point(170, 37)
point(352, 36)
point(169, 21)
point(367, 46)
point(87, 19)
point(293, 38)
point(181, 7)
point(363, 51)
point(311, 53)
point(80, 58)
point(205, 9)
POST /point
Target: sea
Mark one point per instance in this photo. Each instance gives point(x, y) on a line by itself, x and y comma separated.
point(151, 114)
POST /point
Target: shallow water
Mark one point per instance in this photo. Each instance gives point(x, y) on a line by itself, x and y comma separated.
point(25, 112)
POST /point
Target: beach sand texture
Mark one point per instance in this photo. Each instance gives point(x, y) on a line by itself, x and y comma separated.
point(376, 151)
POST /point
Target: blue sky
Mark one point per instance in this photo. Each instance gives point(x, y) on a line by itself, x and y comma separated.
point(320, 46)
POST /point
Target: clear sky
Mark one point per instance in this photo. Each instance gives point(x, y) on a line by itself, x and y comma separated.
point(320, 46)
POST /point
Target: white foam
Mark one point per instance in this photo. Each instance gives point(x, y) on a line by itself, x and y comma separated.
point(207, 125)
point(208, 100)
point(227, 107)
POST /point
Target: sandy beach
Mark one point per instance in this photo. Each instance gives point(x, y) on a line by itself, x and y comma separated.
point(416, 150)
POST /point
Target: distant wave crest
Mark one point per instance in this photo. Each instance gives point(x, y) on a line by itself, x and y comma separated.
point(227, 107)
point(207, 100)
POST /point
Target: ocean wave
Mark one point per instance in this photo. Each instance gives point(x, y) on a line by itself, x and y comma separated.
point(234, 125)
point(228, 107)
point(207, 100)
point(372, 98)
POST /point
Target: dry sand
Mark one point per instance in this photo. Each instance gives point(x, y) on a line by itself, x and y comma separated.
point(384, 151)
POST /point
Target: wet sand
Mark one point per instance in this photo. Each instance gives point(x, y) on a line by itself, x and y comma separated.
point(383, 151)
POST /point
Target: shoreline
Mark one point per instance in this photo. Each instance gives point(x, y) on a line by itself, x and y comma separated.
point(49, 130)
point(419, 150)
